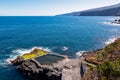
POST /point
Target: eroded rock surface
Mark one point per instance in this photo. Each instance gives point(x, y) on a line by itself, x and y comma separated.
point(65, 69)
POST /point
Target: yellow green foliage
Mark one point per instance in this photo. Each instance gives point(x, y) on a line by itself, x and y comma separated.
point(33, 54)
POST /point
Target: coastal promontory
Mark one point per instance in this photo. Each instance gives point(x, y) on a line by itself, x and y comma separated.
point(102, 64)
point(42, 65)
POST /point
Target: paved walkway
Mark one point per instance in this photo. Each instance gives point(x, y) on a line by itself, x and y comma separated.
point(71, 70)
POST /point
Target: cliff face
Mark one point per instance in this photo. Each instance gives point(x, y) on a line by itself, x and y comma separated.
point(113, 10)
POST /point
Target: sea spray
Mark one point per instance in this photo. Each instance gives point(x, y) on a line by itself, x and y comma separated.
point(110, 40)
point(80, 53)
point(19, 52)
point(65, 48)
point(110, 23)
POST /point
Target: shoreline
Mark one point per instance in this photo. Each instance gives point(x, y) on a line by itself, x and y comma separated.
point(97, 59)
point(61, 69)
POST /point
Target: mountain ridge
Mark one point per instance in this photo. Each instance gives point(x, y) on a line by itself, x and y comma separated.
point(112, 10)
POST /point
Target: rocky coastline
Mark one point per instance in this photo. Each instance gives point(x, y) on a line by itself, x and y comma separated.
point(63, 69)
point(103, 64)
point(90, 66)
point(116, 21)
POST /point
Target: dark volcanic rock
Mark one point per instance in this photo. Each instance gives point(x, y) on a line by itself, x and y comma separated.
point(17, 61)
point(116, 21)
point(63, 69)
point(34, 71)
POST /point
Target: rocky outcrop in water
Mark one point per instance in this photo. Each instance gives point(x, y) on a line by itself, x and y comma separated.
point(63, 69)
point(34, 71)
point(116, 21)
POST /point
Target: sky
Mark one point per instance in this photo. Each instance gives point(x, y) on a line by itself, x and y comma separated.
point(48, 7)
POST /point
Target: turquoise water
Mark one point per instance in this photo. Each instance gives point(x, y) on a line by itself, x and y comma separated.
point(59, 34)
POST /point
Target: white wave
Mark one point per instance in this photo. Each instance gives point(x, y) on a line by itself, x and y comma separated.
point(110, 40)
point(80, 53)
point(112, 24)
point(111, 19)
point(65, 48)
point(3, 63)
point(105, 22)
point(19, 52)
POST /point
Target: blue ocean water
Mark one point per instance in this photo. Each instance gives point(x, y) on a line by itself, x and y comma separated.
point(60, 34)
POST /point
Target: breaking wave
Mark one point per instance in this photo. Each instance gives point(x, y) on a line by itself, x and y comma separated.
point(112, 24)
point(65, 48)
point(110, 40)
point(3, 63)
point(19, 52)
point(80, 53)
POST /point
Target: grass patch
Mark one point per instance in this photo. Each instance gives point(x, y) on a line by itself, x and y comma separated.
point(33, 54)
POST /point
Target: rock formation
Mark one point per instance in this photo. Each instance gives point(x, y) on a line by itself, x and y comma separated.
point(59, 67)
point(63, 69)
point(116, 21)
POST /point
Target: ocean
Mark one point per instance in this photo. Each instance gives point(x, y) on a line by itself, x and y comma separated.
point(67, 35)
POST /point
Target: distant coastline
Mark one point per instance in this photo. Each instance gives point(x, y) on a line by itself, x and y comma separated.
point(113, 10)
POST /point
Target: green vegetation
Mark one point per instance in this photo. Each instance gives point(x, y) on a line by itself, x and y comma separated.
point(110, 52)
point(113, 46)
point(110, 69)
point(101, 55)
point(33, 54)
point(110, 66)
point(107, 61)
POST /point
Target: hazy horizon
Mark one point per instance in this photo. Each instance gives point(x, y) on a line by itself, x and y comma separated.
point(48, 8)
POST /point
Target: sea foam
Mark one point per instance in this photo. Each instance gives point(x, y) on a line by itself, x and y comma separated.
point(80, 53)
point(110, 40)
point(112, 24)
point(19, 52)
point(65, 48)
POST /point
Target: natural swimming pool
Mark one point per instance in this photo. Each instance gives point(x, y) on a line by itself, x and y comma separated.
point(49, 59)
